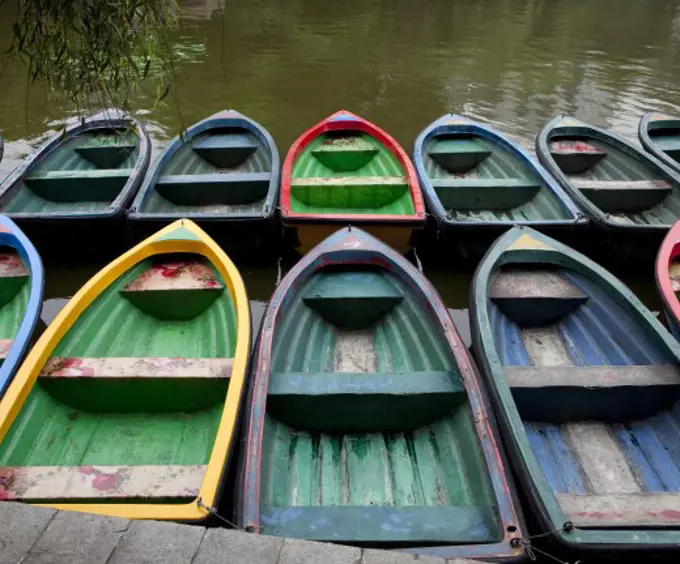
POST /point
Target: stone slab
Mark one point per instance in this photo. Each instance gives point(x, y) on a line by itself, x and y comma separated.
point(20, 526)
point(297, 551)
point(235, 547)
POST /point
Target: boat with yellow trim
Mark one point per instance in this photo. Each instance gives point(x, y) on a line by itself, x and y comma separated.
point(127, 405)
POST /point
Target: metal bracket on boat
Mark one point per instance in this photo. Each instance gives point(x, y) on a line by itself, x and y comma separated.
point(214, 513)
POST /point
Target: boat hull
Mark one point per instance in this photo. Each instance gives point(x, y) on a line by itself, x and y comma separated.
point(573, 361)
point(122, 375)
point(666, 278)
point(659, 134)
point(324, 369)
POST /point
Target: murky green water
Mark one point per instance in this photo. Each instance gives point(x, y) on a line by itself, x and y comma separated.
point(510, 63)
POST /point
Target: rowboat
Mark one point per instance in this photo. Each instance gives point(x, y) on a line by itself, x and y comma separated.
point(660, 136)
point(75, 187)
point(619, 186)
point(366, 422)
point(21, 292)
point(668, 278)
point(586, 387)
point(223, 173)
point(128, 403)
point(476, 179)
point(345, 170)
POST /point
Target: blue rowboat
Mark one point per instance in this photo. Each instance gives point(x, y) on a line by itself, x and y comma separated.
point(222, 173)
point(586, 387)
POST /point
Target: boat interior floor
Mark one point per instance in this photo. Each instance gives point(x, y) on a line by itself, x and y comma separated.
point(613, 180)
point(369, 436)
point(15, 290)
point(666, 135)
point(477, 180)
point(598, 398)
point(84, 173)
point(219, 170)
point(349, 172)
point(128, 405)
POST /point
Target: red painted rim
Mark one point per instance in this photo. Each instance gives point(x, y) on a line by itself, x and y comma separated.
point(351, 122)
point(670, 248)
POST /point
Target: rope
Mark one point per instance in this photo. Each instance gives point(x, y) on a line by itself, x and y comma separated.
point(278, 271)
point(532, 550)
point(214, 513)
point(418, 263)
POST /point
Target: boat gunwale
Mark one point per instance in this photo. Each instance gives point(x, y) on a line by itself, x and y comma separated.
point(649, 144)
point(342, 244)
point(577, 128)
point(12, 236)
point(669, 249)
point(453, 123)
point(222, 119)
point(105, 119)
point(161, 242)
point(347, 121)
point(541, 496)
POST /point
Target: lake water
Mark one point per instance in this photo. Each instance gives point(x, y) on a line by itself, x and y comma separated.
point(510, 63)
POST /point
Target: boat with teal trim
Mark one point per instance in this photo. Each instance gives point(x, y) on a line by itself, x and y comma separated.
point(659, 134)
point(585, 384)
point(619, 186)
point(72, 191)
point(366, 422)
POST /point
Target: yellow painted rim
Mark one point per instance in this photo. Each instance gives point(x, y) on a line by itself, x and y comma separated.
point(25, 378)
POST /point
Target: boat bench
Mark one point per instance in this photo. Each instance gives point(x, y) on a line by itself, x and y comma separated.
point(105, 155)
point(353, 300)
point(485, 193)
point(574, 156)
point(458, 155)
point(669, 145)
point(603, 393)
point(345, 154)
point(533, 298)
point(99, 483)
point(154, 384)
point(227, 188)
point(98, 185)
point(225, 150)
point(349, 191)
point(362, 402)
point(174, 290)
point(623, 195)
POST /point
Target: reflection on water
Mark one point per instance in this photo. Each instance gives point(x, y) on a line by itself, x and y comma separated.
point(510, 63)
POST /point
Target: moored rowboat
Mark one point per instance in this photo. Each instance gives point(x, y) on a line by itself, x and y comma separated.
point(223, 173)
point(128, 403)
point(668, 278)
point(366, 422)
point(619, 186)
point(476, 179)
point(586, 388)
point(345, 170)
point(660, 136)
point(75, 187)
point(21, 293)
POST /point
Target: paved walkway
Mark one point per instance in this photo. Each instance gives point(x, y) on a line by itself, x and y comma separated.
point(35, 535)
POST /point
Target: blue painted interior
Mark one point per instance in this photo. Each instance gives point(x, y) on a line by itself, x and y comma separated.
point(599, 333)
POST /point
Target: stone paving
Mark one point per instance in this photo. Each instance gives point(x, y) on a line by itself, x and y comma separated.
point(37, 535)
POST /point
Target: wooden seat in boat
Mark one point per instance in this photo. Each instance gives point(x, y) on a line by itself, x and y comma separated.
point(623, 195)
point(52, 483)
point(458, 154)
point(98, 185)
point(363, 401)
point(349, 191)
point(353, 300)
point(485, 193)
point(229, 188)
point(574, 156)
point(345, 154)
point(535, 297)
point(105, 155)
point(174, 289)
point(225, 150)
